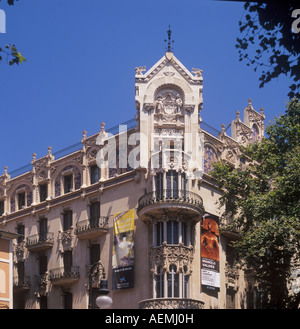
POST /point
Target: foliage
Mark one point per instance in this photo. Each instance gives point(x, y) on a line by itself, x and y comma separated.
point(13, 56)
point(267, 28)
point(264, 200)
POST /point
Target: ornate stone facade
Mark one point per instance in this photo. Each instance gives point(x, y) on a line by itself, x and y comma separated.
point(73, 194)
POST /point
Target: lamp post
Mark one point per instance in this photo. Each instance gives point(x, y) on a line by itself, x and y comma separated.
point(103, 300)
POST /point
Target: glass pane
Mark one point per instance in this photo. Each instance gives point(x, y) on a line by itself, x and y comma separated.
point(68, 183)
point(67, 220)
point(169, 184)
point(169, 279)
point(159, 185)
point(159, 233)
point(175, 233)
point(169, 232)
point(175, 184)
point(94, 174)
point(95, 214)
point(176, 285)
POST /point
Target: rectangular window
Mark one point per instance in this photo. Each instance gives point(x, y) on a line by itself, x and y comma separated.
point(95, 174)
point(1, 208)
point(172, 232)
point(68, 183)
point(43, 302)
point(184, 232)
point(68, 300)
point(67, 219)
point(172, 184)
point(94, 214)
point(159, 233)
point(183, 186)
point(68, 261)
point(43, 192)
point(159, 186)
point(185, 286)
point(43, 262)
point(43, 229)
point(21, 232)
point(173, 282)
point(21, 200)
point(21, 273)
point(159, 283)
point(94, 253)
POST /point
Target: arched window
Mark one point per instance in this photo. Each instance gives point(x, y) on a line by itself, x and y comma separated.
point(255, 134)
point(173, 282)
point(210, 157)
point(185, 283)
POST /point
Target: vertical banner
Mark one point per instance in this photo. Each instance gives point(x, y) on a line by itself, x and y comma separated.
point(123, 251)
point(210, 268)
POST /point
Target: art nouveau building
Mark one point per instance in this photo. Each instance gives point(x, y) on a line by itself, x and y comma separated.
point(63, 206)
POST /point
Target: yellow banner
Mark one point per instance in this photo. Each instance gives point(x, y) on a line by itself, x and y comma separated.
point(124, 222)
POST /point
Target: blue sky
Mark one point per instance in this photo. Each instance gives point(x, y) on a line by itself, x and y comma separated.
point(80, 65)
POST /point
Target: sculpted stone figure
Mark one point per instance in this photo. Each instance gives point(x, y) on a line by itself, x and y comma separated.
point(179, 103)
point(197, 72)
point(159, 105)
point(139, 70)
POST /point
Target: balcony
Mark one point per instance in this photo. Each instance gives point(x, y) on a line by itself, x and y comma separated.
point(157, 203)
point(90, 229)
point(39, 242)
point(64, 275)
point(171, 303)
point(22, 284)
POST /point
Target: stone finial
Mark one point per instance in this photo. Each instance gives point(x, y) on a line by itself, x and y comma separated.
point(103, 126)
point(249, 101)
point(223, 127)
point(237, 113)
point(33, 156)
point(5, 170)
point(84, 134)
point(49, 149)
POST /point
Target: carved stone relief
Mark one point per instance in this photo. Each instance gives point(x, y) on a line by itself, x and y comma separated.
point(168, 105)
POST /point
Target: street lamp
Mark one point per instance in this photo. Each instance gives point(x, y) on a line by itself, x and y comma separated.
point(103, 300)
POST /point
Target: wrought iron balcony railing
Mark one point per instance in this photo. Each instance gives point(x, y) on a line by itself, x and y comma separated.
point(171, 196)
point(89, 224)
point(65, 273)
point(36, 240)
point(21, 283)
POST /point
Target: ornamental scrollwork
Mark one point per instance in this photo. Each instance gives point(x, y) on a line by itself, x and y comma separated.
point(166, 255)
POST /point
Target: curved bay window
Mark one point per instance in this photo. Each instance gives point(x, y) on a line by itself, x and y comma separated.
point(172, 232)
point(170, 185)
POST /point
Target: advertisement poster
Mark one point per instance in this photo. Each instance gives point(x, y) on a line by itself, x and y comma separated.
point(210, 271)
point(123, 250)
